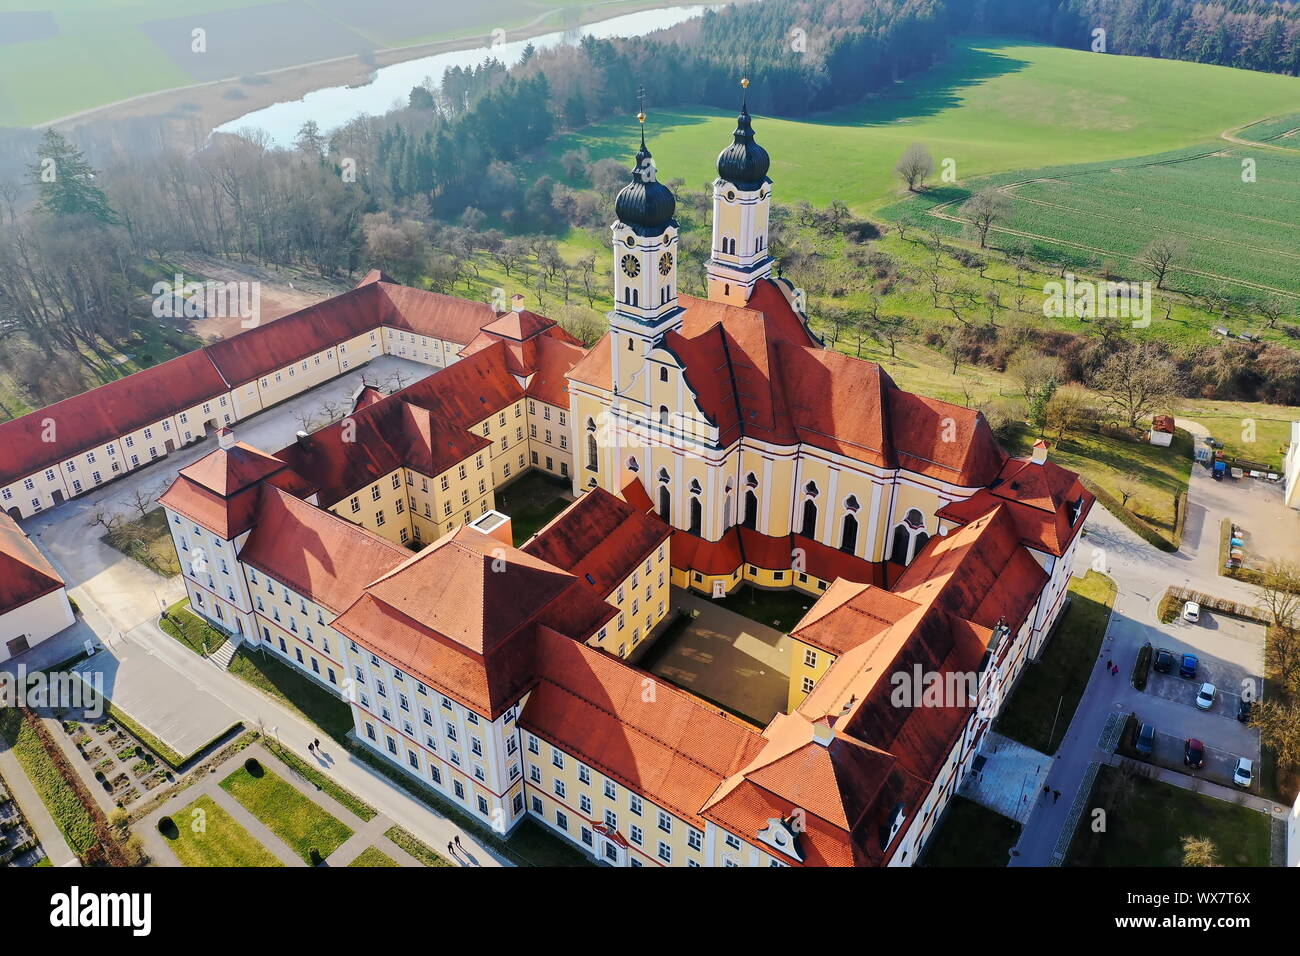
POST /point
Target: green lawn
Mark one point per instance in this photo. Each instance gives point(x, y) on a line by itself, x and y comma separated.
point(220, 842)
point(416, 848)
point(292, 817)
point(294, 690)
point(1059, 677)
point(970, 835)
point(531, 502)
point(780, 610)
point(321, 781)
point(191, 630)
point(372, 857)
point(1146, 821)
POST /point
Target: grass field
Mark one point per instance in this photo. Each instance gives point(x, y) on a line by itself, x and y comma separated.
point(222, 842)
point(1058, 679)
point(299, 822)
point(114, 49)
point(1239, 234)
point(372, 857)
point(970, 835)
point(293, 689)
point(1146, 821)
point(1282, 131)
point(996, 105)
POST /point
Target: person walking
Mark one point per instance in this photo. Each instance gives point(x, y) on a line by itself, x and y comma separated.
point(451, 849)
point(458, 841)
point(317, 742)
point(1056, 795)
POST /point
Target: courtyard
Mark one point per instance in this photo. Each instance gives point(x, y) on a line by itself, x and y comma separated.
point(727, 658)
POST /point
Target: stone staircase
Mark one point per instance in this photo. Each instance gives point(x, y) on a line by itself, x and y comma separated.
point(224, 654)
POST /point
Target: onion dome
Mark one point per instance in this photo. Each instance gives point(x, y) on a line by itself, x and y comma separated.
point(645, 204)
point(744, 163)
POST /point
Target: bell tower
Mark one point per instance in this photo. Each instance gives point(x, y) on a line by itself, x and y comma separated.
point(742, 201)
point(645, 245)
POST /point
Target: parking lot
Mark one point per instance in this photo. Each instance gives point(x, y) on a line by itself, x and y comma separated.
point(1230, 655)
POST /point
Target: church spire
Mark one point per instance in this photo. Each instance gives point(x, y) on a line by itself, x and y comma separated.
point(742, 197)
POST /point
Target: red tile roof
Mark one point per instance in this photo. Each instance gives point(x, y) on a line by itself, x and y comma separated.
point(104, 414)
point(438, 316)
point(218, 491)
point(666, 745)
point(554, 359)
point(599, 539)
point(471, 588)
point(1049, 503)
point(249, 355)
point(759, 371)
point(25, 573)
point(318, 555)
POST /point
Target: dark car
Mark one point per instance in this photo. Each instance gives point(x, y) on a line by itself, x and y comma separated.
point(1244, 708)
point(1164, 660)
point(1145, 744)
point(1194, 753)
point(1188, 666)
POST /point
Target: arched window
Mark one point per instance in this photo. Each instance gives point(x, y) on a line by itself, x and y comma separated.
point(665, 503)
point(663, 374)
point(751, 509)
point(694, 487)
point(909, 537)
point(849, 536)
point(591, 453)
point(726, 513)
point(902, 539)
point(663, 475)
point(663, 415)
point(697, 515)
point(810, 489)
point(809, 529)
point(632, 465)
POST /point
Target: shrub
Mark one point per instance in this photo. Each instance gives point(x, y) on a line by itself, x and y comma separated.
point(167, 827)
point(253, 767)
point(315, 856)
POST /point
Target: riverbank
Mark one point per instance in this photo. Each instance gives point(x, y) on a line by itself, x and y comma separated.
point(192, 112)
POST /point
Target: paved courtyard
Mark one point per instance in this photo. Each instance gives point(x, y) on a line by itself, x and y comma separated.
point(173, 708)
point(726, 658)
point(1011, 780)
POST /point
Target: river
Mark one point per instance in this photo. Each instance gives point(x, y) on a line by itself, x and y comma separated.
point(390, 86)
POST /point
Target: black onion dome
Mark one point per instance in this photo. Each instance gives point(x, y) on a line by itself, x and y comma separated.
point(744, 162)
point(645, 203)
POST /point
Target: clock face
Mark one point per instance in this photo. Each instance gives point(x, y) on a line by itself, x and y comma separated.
point(631, 267)
point(630, 241)
point(665, 263)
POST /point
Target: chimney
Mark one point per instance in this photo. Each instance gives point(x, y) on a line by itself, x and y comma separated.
point(1040, 452)
point(225, 438)
point(823, 733)
point(517, 302)
point(302, 438)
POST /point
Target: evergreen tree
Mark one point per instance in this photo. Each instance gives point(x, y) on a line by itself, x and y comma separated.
point(65, 182)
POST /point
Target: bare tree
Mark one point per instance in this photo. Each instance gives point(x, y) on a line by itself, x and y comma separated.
point(983, 210)
point(1199, 851)
point(1137, 380)
point(1159, 256)
point(915, 166)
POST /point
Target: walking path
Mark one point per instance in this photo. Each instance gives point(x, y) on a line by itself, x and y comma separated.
point(365, 833)
point(33, 808)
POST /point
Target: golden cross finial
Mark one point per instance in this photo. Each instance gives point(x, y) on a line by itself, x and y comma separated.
point(744, 82)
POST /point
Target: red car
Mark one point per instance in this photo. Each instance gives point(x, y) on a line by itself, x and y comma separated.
point(1194, 753)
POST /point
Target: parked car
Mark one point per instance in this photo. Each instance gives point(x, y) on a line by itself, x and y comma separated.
point(1191, 612)
point(1164, 660)
point(1194, 753)
point(1145, 744)
point(1244, 709)
point(1205, 699)
point(1244, 773)
point(1187, 668)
